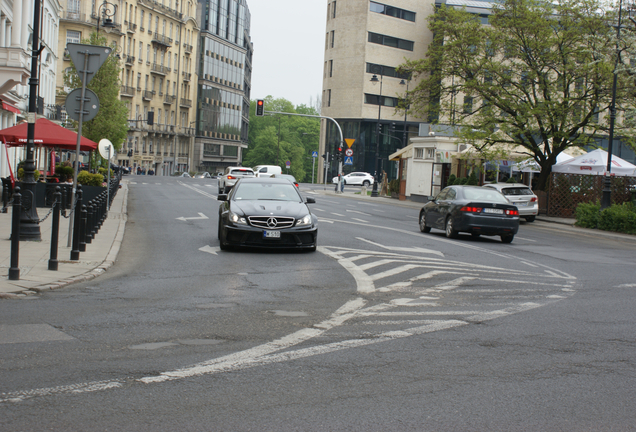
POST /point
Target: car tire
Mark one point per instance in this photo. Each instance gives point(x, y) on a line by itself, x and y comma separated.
point(423, 227)
point(222, 245)
point(475, 235)
point(507, 238)
point(366, 183)
point(530, 218)
point(219, 189)
point(450, 231)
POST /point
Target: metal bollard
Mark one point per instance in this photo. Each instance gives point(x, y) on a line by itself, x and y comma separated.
point(90, 233)
point(82, 245)
point(14, 270)
point(77, 216)
point(55, 228)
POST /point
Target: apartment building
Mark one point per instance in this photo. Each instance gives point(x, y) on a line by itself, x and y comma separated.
point(365, 41)
point(225, 72)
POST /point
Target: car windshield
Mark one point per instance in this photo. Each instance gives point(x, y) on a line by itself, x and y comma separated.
point(516, 191)
point(484, 194)
point(266, 191)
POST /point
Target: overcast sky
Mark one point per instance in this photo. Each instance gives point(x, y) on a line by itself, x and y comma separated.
point(289, 49)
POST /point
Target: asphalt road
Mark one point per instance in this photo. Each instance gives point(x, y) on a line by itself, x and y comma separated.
point(383, 328)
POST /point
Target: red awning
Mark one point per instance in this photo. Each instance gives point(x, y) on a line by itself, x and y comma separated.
point(8, 107)
point(47, 134)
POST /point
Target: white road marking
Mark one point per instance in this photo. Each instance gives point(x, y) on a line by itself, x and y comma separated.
point(201, 217)
point(338, 214)
point(359, 212)
point(210, 249)
point(402, 249)
point(626, 286)
point(360, 220)
point(525, 239)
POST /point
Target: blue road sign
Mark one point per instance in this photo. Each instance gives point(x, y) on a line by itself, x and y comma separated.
point(314, 154)
point(348, 160)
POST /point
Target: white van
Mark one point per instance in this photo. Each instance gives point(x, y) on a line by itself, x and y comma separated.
point(267, 170)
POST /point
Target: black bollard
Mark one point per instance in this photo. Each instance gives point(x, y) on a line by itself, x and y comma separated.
point(77, 217)
point(55, 228)
point(5, 196)
point(14, 270)
point(90, 230)
point(82, 246)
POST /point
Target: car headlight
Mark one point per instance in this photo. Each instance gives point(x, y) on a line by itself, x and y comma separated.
point(234, 218)
point(304, 221)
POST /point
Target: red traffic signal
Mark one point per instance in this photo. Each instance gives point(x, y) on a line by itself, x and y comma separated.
point(260, 108)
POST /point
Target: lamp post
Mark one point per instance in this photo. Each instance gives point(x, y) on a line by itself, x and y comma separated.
point(606, 201)
point(374, 191)
point(406, 109)
point(105, 12)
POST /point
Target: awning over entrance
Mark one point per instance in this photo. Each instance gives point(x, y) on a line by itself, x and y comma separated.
point(8, 107)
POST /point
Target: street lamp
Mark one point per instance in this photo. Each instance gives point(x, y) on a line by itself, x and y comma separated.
point(406, 109)
point(105, 12)
point(374, 191)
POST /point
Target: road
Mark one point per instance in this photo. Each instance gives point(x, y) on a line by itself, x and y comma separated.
point(383, 328)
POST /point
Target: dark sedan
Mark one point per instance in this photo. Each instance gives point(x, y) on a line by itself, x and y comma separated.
point(472, 209)
point(266, 213)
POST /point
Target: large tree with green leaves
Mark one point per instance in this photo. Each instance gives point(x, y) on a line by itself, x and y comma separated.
point(537, 77)
point(275, 139)
point(111, 121)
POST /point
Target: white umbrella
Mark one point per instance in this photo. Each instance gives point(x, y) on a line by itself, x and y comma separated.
point(530, 165)
point(595, 163)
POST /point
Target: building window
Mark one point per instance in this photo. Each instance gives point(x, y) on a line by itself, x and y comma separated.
point(419, 153)
point(329, 97)
point(430, 153)
point(330, 68)
point(468, 105)
point(211, 150)
point(391, 41)
point(386, 71)
point(387, 101)
point(333, 10)
point(333, 37)
point(392, 11)
point(229, 150)
point(73, 36)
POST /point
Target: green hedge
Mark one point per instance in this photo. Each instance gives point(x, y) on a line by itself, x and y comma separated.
point(618, 217)
point(88, 179)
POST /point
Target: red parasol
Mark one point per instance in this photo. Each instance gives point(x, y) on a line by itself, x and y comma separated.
point(47, 134)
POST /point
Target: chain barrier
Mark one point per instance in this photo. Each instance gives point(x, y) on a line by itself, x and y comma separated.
point(44, 218)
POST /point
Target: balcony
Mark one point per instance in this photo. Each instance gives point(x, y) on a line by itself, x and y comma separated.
point(75, 16)
point(189, 131)
point(160, 40)
point(14, 68)
point(186, 76)
point(131, 27)
point(129, 60)
point(169, 100)
point(154, 4)
point(187, 103)
point(158, 69)
point(188, 48)
point(147, 95)
point(127, 91)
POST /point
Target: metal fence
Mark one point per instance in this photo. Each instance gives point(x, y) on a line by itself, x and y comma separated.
point(566, 191)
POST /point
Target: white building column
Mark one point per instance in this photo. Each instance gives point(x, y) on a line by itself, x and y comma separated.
point(15, 26)
point(27, 18)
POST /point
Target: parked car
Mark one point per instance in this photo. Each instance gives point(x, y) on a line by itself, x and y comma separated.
point(520, 195)
point(267, 170)
point(473, 209)
point(231, 175)
point(266, 213)
point(289, 177)
point(203, 175)
point(356, 179)
point(185, 174)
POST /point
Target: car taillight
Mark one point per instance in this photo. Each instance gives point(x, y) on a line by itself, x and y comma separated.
point(534, 199)
point(512, 212)
point(470, 209)
point(231, 177)
point(296, 184)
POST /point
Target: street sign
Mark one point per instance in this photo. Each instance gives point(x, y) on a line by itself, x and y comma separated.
point(91, 104)
point(314, 154)
point(348, 152)
point(288, 164)
point(106, 149)
point(97, 55)
point(349, 141)
point(348, 160)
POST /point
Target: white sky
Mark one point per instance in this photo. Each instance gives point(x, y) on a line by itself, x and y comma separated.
point(289, 49)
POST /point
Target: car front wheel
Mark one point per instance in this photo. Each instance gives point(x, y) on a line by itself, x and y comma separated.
point(423, 227)
point(222, 245)
point(366, 183)
point(507, 238)
point(450, 231)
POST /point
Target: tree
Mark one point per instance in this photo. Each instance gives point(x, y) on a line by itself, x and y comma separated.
point(111, 121)
point(275, 139)
point(536, 78)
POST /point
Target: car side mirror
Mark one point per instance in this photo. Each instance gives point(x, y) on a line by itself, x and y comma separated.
point(430, 198)
point(310, 200)
point(221, 197)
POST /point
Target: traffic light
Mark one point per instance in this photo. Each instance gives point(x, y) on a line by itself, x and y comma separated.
point(260, 108)
point(339, 153)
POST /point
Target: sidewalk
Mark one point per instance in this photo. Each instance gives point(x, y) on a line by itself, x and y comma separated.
point(33, 263)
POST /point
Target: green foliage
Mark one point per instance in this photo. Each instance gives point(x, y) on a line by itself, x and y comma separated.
point(462, 181)
point(472, 179)
point(36, 174)
point(451, 179)
point(536, 82)
point(511, 180)
point(275, 139)
point(87, 179)
point(587, 215)
point(619, 218)
point(64, 172)
point(111, 121)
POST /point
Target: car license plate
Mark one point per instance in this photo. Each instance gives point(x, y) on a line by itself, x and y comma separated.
point(271, 234)
point(493, 210)
point(521, 204)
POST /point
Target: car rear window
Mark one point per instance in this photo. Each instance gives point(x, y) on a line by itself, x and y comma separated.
point(517, 191)
point(484, 194)
point(244, 172)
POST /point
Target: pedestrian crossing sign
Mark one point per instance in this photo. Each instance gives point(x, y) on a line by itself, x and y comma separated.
point(348, 160)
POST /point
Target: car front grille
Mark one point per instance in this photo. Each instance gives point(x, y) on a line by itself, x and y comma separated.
point(271, 222)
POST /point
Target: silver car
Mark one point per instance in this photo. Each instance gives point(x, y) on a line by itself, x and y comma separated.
point(521, 196)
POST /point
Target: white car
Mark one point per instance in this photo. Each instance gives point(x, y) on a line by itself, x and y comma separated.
point(521, 196)
point(231, 176)
point(356, 179)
